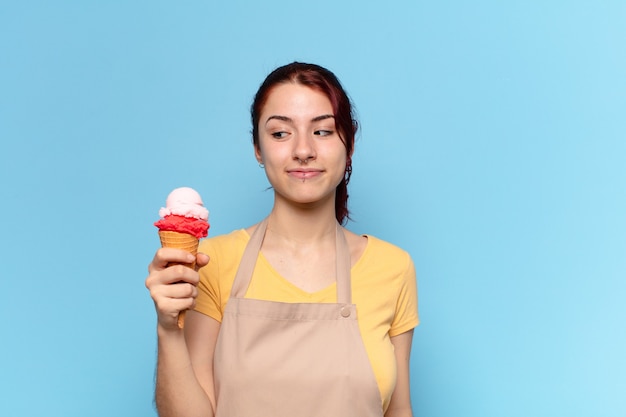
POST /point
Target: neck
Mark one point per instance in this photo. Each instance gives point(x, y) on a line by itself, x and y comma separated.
point(302, 225)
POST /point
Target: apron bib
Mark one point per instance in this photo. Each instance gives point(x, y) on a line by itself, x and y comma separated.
point(277, 359)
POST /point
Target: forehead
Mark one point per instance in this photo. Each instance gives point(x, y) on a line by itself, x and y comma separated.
point(296, 100)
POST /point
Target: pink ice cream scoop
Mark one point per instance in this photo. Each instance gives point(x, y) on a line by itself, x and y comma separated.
point(184, 212)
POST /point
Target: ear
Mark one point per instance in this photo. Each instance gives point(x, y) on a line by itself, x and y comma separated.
point(257, 154)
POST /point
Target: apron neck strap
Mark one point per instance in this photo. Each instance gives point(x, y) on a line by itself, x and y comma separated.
point(251, 253)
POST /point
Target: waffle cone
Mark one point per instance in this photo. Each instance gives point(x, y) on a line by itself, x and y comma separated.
point(182, 241)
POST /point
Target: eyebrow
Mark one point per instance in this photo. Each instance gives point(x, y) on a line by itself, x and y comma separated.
point(290, 120)
point(323, 117)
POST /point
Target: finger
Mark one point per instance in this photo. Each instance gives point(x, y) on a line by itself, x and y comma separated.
point(167, 298)
point(165, 256)
point(172, 308)
point(201, 260)
point(179, 273)
point(171, 275)
point(180, 290)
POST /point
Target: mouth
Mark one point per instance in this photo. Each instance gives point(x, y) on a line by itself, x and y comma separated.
point(304, 173)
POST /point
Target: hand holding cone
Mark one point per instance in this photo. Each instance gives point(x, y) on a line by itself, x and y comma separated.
point(183, 222)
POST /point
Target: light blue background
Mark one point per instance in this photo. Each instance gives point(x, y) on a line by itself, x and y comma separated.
point(493, 149)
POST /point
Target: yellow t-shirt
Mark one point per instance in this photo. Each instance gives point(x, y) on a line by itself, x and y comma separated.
point(383, 288)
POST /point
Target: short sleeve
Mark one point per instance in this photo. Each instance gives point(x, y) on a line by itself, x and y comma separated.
point(406, 315)
point(216, 278)
point(209, 300)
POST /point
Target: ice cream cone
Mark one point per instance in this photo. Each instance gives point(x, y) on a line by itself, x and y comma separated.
point(182, 241)
point(184, 221)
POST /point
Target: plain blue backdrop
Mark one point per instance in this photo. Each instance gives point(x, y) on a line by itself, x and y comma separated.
point(492, 148)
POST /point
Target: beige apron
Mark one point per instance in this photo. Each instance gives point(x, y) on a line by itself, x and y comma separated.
point(277, 359)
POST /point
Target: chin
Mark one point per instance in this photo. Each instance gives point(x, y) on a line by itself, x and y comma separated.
point(307, 199)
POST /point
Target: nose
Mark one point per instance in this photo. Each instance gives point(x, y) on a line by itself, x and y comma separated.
point(304, 147)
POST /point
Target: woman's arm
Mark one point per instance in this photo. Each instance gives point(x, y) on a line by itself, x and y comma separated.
point(400, 404)
point(179, 391)
point(201, 333)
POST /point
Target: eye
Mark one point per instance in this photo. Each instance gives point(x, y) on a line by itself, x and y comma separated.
point(322, 132)
point(279, 135)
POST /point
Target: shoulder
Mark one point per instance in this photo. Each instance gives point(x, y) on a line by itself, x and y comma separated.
point(225, 252)
point(382, 255)
point(229, 241)
point(368, 248)
point(379, 247)
point(382, 246)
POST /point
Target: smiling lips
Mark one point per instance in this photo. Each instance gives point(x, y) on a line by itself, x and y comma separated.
point(304, 173)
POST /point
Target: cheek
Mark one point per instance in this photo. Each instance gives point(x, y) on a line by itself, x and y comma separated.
point(340, 162)
point(264, 151)
point(342, 156)
point(275, 155)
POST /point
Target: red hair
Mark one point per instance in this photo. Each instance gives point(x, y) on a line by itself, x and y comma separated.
point(324, 81)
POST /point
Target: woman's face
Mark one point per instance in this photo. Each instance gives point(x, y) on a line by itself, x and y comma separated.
point(303, 154)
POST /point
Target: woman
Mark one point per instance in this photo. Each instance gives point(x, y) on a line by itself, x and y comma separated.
point(295, 316)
